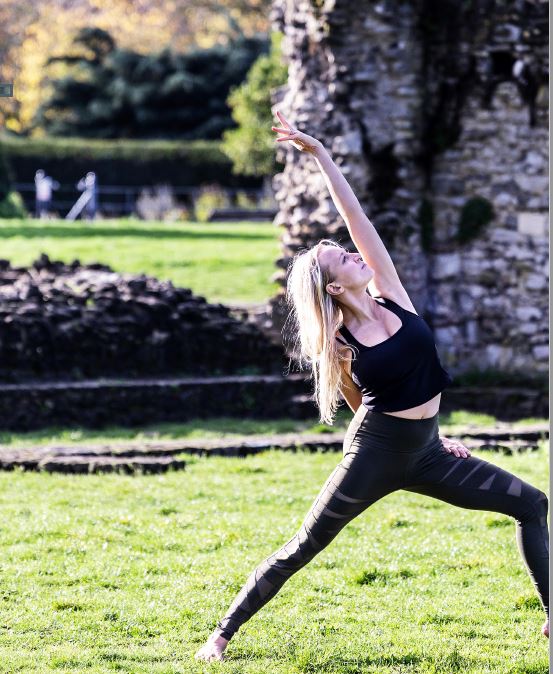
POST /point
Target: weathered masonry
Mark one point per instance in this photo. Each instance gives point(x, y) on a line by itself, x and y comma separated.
point(437, 112)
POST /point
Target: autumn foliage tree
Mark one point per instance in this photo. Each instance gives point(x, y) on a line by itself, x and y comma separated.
point(32, 31)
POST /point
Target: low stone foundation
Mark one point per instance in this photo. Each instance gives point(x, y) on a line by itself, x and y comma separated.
point(154, 457)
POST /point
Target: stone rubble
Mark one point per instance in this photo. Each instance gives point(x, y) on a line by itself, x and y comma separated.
point(73, 321)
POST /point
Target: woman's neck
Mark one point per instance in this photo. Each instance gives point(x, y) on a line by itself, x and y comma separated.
point(360, 308)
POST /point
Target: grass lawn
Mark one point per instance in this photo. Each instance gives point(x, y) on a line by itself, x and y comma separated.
point(224, 262)
point(106, 573)
point(227, 427)
point(129, 574)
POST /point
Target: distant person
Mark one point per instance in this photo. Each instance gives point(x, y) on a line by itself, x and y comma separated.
point(43, 191)
point(88, 184)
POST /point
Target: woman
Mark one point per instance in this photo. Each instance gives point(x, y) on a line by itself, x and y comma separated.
point(361, 334)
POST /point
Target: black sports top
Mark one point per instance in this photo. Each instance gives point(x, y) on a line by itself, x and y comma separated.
point(401, 372)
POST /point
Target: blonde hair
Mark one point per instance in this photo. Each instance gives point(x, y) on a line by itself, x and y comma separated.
point(316, 316)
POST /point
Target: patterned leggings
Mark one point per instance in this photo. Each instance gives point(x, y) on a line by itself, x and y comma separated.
point(381, 454)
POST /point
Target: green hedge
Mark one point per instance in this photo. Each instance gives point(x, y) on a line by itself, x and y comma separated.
point(124, 162)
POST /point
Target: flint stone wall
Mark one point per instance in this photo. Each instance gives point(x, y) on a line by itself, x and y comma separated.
point(425, 105)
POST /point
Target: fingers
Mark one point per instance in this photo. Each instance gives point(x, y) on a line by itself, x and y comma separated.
point(456, 448)
point(460, 451)
point(465, 452)
point(283, 119)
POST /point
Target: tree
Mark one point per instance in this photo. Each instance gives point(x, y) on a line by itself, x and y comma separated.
point(118, 93)
point(251, 145)
point(31, 31)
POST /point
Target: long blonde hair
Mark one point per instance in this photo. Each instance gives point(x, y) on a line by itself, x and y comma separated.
point(316, 316)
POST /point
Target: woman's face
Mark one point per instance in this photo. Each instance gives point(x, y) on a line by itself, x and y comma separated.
point(345, 269)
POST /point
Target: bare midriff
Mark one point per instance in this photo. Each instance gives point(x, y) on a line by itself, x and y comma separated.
point(423, 411)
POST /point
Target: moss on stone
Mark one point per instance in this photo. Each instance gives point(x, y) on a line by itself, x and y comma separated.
point(475, 214)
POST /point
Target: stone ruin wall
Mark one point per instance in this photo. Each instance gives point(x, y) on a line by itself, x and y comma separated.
point(423, 104)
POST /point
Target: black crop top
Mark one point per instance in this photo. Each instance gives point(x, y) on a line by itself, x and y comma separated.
point(401, 372)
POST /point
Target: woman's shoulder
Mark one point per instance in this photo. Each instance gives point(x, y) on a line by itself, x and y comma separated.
point(397, 294)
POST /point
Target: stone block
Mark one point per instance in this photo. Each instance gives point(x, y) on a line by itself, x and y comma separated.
point(498, 355)
point(504, 199)
point(446, 265)
point(504, 236)
point(532, 223)
point(535, 160)
point(447, 336)
point(348, 143)
point(535, 282)
point(541, 352)
point(471, 328)
point(528, 328)
point(532, 184)
point(527, 313)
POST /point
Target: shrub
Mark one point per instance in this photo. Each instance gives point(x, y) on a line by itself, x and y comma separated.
point(12, 206)
point(209, 198)
point(251, 146)
point(159, 203)
point(123, 161)
point(244, 200)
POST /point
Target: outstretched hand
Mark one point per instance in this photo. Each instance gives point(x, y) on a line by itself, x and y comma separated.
point(298, 139)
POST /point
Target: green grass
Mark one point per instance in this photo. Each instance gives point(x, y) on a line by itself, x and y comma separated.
point(105, 573)
point(224, 262)
point(227, 427)
point(220, 427)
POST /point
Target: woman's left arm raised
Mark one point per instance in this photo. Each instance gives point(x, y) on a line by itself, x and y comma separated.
point(361, 230)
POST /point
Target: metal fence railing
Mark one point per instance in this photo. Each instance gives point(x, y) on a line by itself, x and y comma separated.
point(119, 200)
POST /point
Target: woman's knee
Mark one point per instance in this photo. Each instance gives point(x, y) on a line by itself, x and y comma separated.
point(537, 497)
point(542, 502)
point(533, 503)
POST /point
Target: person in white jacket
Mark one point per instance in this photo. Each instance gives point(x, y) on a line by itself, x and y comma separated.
point(43, 189)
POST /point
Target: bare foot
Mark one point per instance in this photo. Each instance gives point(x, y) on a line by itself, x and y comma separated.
point(545, 628)
point(213, 648)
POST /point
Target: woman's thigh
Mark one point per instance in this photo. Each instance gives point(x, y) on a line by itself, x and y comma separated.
point(355, 484)
point(359, 480)
point(473, 483)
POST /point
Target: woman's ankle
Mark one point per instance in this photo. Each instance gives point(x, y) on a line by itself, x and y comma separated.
point(219, 639)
